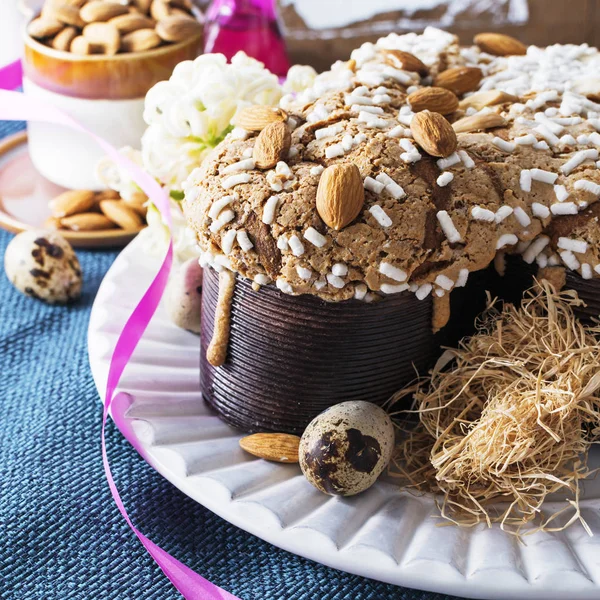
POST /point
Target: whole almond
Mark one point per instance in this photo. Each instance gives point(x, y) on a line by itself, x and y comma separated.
point(433, 133)
point(99, 10)
point(139, 40)
point(159, 9)
point(499, 44)
point(52, 223)
point(82, 46)
point(87, 222)
point(340, 195)
point(142, 5)
point(436, 99)
point(44, 27)
point(71, 203)
point(121, 214)
point(106, 195)
point(132, 22)
point(62, 41)
point(105, 35)
point(276, 447)
point(272, 145)
point(480, 100)
point(405, 61)
point(177, 28)
point(138, 201)
point(67, 14)
point(460, 80)
point(479, 122)
point(256, 118)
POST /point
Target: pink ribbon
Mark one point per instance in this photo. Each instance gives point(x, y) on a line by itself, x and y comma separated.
point(15, 106)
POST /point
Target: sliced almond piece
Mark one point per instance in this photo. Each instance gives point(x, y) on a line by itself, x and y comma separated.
point(121, 214)
point(44, 27)
point(433, 133)
point(272, 145)
point(105, 35)
point(67, 14)
point(72, 202)
point(62, 41)
point(99, 10)
point(256, 118)
point(500, 44)
point(405, 61)
point(460, 80)
point(340, 195)
point(435, 99)
point(132, 22)
point(479, 122)
point(87, 222)
point(178, 28)
point(140, 39)
point(276, 447)
point(480, 100)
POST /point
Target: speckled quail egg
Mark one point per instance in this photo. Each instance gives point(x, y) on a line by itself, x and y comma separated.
point(344, 449)
point(42, 264)
point(184, 294)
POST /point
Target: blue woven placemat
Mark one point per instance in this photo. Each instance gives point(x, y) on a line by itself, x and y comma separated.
point(61, 536)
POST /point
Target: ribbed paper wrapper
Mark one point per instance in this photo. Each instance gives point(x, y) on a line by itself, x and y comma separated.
point(290, 357)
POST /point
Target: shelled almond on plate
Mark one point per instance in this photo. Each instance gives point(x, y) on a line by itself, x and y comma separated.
point(106, 27)
point(85, 210)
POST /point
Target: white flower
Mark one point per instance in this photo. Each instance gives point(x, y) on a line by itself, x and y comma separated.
point(192, 112)
point(299, 77)
point(117, 178)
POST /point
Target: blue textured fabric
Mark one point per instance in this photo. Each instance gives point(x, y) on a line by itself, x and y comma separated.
point(61, 536)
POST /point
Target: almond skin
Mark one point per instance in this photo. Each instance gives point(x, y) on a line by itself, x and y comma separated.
point(87, 222)
point(340, 195)
point(178, 28)
point(433, 133)
point(460, 80)
point(276, 447)
point(140, 39)
point(71, 203)
point(160, 9)
point(272, 145)
point(121, 214)
point(98, 10)
point(480, 100)
point(435, 99)
point(499, 44)
point(405, 61)
point(256, 118)
point(479, 122)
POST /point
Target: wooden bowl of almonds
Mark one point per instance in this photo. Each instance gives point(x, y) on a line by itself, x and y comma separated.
point(97, 59)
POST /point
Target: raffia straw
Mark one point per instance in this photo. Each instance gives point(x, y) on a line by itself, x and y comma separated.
point(507, 418)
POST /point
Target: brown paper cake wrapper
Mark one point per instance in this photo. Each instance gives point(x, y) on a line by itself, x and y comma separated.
point(519, 277)
point(291, 357)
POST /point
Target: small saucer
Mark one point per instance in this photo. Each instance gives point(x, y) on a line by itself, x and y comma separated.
point(25, 194)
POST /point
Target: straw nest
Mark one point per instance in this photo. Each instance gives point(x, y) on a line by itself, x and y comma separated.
point(507, 418)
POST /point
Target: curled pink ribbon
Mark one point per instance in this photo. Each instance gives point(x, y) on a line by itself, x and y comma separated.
point(15, 106)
